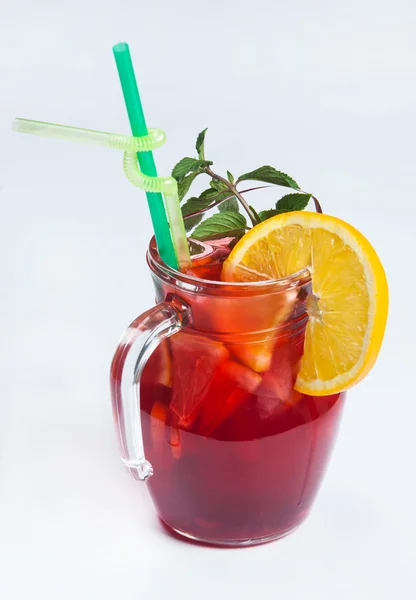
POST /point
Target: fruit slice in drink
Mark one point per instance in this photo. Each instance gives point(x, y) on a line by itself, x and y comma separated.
point(195, 359)
point(158, 368)
point(349, 304)
point(231, 385)
point(257, 354)
point(158, 419)
point(276, 387)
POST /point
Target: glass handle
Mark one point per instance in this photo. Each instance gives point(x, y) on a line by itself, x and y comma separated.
point(135, 347)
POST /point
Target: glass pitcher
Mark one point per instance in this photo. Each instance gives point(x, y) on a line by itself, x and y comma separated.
point(206, 410)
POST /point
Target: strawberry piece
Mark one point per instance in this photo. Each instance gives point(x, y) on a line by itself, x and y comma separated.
point(231, 386)
point(195, 359)
point(277, 385)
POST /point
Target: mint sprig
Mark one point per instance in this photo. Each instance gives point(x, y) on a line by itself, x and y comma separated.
point(224, 194)
point(293, 202)
point(230, 205)
point(188, 165)
point(270, 175)
point(185, 184)
point(221, 225)
point(200, 142)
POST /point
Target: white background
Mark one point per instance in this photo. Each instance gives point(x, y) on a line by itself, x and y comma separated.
point(323, 90)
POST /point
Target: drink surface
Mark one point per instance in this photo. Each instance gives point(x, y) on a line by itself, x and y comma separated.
point(237, 452)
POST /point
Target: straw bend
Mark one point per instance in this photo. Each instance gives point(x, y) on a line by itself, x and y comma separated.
point(165, 185)
point(155, 138)
point(169, 188)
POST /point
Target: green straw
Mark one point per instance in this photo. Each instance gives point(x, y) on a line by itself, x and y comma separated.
point(147, 164)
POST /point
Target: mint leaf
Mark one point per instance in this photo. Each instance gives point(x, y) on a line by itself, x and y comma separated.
point(230, 205)
point(188, 165)
point(218, 185)
point(183, 167)
point(293, 202)
point(210, 192)
point(220, 225)
point(270, 175)
point(190, 222)
point(230, 177)
point(195, 204)
point(286, 204)
point(200, 141)
point(267, 214)
point(185, 184)
point(214, 194)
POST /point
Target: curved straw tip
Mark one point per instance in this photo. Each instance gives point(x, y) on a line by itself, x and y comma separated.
point(16, 125)
point(169, 185)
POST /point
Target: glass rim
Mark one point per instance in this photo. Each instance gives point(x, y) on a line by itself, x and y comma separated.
point(159, 267)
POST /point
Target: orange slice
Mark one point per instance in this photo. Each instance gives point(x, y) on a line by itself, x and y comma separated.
point(349, 305)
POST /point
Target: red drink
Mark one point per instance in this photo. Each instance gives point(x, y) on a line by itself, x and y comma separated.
point(238, 455)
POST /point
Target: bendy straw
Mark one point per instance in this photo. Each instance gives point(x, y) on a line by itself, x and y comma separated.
point(153, 185)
